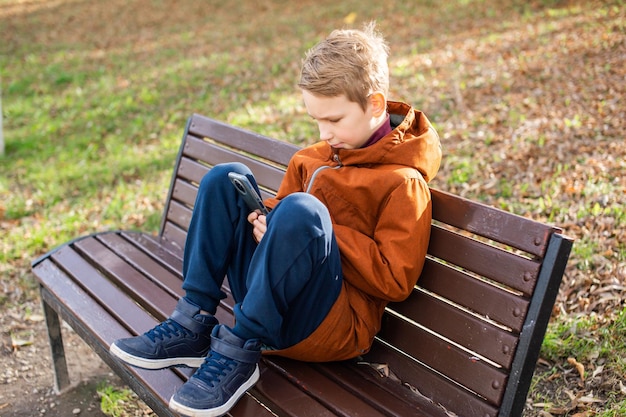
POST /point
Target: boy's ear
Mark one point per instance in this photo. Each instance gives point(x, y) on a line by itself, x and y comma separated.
point(378, 103)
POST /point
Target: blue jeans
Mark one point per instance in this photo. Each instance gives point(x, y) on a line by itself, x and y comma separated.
point(284, 286)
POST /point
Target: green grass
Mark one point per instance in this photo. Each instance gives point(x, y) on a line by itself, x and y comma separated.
point(116, 402)
point(590, 340)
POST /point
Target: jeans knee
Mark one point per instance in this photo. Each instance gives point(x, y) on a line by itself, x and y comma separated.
point(218, 175)
point(299, 212)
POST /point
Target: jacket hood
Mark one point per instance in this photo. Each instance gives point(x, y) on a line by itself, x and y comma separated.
point(413, 142)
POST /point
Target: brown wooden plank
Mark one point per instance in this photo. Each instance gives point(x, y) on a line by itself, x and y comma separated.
point(185, 192)
point(271, 149)
point(143, 263)
point(498, 225)
point(249, 406)
point(461, 366)
point(430, 384)
point(286, 399)
point(385, 394)
point(488, 261)
point(173, 236)
point(469, 331)
point(127, 279)
point(479, 296)
point(179, 214)
point(151, 245)
point(324, 390)
point(267, 176)
point(112, 298)
point(191, 170)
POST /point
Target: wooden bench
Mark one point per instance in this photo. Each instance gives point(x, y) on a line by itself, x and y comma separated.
point(464, 343)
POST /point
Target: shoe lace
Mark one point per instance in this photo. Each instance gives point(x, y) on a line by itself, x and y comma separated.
point(214, 367)
point(167, 329)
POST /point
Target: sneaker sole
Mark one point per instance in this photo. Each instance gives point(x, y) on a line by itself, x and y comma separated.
point(219, 411)
point(145, 363)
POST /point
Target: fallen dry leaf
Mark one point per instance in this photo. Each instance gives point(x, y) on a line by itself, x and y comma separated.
point(597, 371)
point(35, 318)
point(579, 367)
point(586, 399)
point(18, 343)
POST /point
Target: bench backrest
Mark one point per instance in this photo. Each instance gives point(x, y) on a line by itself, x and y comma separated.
point(470, 334)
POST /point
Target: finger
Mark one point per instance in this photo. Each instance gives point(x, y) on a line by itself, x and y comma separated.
point(252, 217)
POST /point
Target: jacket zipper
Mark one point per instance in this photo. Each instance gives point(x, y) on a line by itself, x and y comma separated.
point(318, 170)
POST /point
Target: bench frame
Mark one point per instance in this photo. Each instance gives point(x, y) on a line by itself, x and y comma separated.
point(466, 341)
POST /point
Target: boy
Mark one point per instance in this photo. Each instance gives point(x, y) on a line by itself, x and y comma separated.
point(347, 233)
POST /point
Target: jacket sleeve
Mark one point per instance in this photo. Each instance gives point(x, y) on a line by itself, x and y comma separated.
point(292, 182)
point(388, 264)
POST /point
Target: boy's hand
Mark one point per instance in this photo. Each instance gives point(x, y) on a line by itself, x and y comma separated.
point(258, 220)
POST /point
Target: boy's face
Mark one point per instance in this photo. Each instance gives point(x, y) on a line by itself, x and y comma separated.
point(341, 122)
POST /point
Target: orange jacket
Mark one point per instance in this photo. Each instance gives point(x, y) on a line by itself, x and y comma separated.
point(379, 202)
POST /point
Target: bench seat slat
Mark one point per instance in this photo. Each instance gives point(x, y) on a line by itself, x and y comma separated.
point(430, 384)
point(112, 298)
point(507, 228)
point(381, 392)
point(287, 399)
point(143, 284)
point(143, 263)
point(128, 280)
point(444, 357)
point(478, 296)
point(334, 396)
point(150, 244)
point(463, 328)
point(249, 406)
point(488, 261)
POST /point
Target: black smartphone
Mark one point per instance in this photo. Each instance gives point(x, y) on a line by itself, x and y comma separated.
point(248, 192)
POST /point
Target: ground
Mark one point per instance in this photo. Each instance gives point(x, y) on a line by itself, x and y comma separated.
point(26, 379)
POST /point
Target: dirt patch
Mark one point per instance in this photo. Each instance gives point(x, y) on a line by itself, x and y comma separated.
point(26, 379)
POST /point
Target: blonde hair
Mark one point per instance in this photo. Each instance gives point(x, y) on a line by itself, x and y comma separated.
point(350, 62)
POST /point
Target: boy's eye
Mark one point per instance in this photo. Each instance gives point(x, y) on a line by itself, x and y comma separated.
point(329, 120)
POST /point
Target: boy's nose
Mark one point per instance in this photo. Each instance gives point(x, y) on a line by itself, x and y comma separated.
point(325, 134)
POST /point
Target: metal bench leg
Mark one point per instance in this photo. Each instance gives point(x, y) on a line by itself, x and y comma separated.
point(59, 364)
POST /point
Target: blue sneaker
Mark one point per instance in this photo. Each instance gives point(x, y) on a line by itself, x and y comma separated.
point(183, 339)
point(227, 373)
